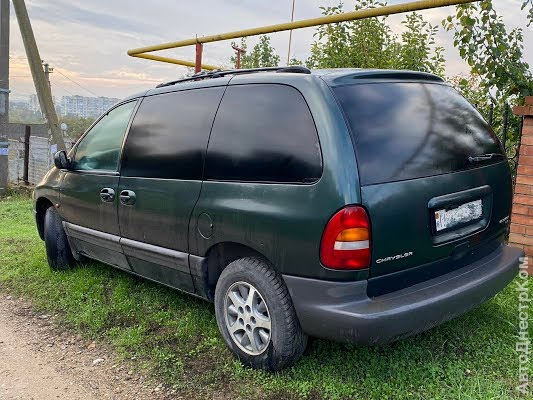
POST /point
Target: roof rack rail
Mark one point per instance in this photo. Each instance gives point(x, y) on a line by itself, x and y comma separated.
point(297, 69)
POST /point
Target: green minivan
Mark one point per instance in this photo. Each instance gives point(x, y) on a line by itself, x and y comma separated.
point(351, 205)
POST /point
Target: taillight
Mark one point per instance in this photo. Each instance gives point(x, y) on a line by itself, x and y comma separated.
point(346, 240)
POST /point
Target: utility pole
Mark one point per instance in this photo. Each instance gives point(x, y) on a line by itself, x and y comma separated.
point(39, 79)
point(238, 51)
point(290, 35)
point(47, 71)
point(4, 64)
point(4, 94)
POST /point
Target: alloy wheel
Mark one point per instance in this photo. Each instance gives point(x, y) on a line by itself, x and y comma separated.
point(247, 318)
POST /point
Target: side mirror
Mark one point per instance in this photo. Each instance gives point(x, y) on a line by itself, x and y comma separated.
point(61, 160)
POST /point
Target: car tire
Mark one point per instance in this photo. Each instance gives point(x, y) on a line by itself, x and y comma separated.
point(58, 251)
point(251, 297)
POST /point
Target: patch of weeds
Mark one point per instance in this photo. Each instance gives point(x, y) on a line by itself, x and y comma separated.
point(175, 337)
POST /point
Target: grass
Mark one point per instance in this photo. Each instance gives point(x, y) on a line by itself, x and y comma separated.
point(175, 337)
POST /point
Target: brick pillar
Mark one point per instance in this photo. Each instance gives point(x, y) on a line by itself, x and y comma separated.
point(522, 217)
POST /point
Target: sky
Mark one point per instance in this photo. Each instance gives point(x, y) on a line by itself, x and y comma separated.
point(86, 41)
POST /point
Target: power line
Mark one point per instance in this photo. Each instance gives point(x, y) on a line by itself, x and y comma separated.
point(35, 62)
point(63, 87)
point(73, 81)
point(55, 70)
point(19, 93)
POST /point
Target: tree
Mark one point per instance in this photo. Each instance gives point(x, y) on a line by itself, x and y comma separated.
point(530, 14)
point(76, 126)
point(295, 61)
point(24, 116)
point(418, 51)
point(370, 43)
point(492, 53)
point(500, 78)
point(472, 88)
point(262, 54)
point(367, 43)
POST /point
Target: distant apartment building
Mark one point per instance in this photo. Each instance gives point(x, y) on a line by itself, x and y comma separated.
point(19, 105)
point(34, 106)
point(81, 106)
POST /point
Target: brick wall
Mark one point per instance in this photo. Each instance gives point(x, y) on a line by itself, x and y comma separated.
point(522, 217)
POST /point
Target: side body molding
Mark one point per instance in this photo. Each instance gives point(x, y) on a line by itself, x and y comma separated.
point(159, 255)
point(152, 262)
point(104, 247)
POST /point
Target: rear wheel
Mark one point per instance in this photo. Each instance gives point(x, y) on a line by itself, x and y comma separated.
point(58, 251)
point(256, 316)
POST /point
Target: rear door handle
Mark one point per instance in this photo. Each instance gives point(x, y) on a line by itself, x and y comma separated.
point(107, 195)
point(128, 197)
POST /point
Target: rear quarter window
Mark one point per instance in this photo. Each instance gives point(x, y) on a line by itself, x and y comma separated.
point(413, 130)
point(263, 133)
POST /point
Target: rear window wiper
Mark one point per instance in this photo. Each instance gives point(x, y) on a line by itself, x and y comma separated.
point(485, 157)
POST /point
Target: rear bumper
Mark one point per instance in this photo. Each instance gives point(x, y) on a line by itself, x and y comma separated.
point(342, 311)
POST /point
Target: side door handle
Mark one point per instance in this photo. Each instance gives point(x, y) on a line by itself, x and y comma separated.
point(128, 197)
point(107, 195)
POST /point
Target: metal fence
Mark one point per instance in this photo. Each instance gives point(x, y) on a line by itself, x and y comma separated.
point(508, 128)
point(40, 159)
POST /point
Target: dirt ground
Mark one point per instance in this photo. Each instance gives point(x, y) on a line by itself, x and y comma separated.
point(39, 360)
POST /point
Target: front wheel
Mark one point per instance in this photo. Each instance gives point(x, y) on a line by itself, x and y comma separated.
point(58, 251)
point(256, 316)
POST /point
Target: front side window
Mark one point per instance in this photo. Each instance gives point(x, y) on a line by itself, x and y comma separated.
point(100, 147)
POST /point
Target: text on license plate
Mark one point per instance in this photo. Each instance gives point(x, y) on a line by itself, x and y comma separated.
point(464, 213)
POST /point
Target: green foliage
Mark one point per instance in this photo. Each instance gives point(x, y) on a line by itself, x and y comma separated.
point(25, 116)
point(530, 14)
point(492, 53)
point(76, 125)
point(175, 337)
point(262, 54)
point(472, 88)
point(295, 61)
point(500, 78)
point(418, 50)
point(370, 43)
point(367, 43)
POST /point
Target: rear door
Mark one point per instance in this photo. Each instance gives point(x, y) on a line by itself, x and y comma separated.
point(434, 178)
point(161, 177)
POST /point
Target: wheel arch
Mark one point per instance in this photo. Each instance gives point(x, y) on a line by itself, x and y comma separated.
point(41, 205)
point(218, 257)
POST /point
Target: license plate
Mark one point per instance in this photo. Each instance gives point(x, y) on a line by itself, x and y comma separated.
point(445, 219)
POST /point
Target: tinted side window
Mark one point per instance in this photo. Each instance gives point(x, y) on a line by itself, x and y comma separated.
point(169, 135)
point(100, 147)
point(264, 133)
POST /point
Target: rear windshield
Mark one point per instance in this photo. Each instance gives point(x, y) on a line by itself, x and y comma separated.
point(412, 130)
